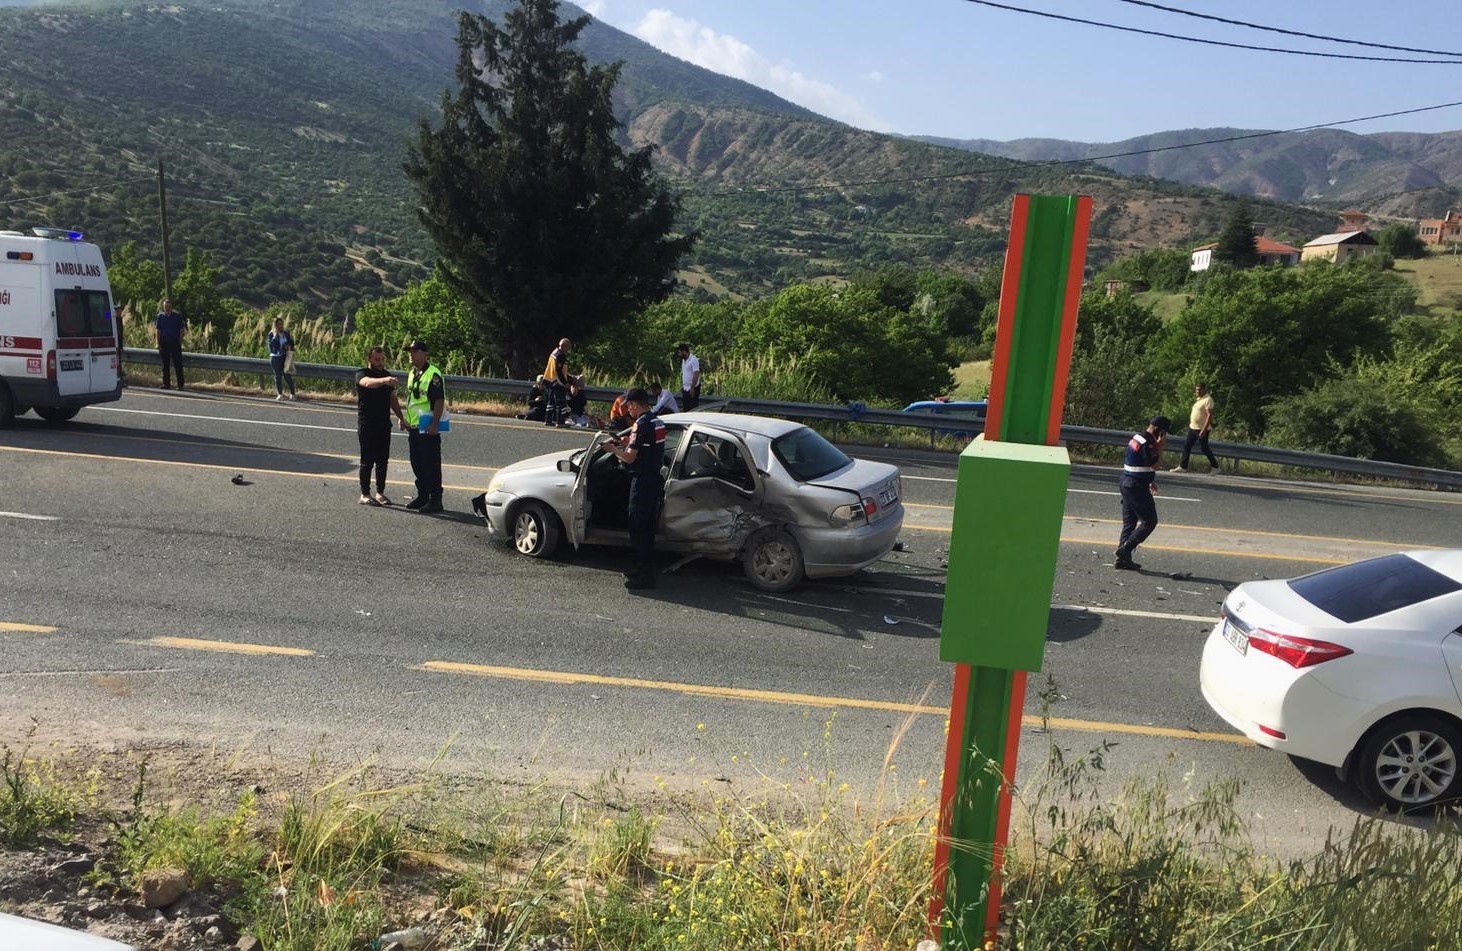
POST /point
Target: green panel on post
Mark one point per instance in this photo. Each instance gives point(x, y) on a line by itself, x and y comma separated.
point(1008, 506)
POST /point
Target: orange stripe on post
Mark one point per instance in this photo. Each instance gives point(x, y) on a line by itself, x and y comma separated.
point(1005, 322)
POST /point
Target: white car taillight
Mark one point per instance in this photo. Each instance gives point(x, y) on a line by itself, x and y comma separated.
point(1298, 652)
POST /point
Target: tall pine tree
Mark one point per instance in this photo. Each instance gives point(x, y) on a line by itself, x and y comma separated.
point(1237, 245)
point(546, 226)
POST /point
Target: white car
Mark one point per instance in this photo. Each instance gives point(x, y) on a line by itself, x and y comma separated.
point(23, 933)
point(1358, 667)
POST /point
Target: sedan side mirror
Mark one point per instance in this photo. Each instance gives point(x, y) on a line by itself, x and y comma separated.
point(566, 465)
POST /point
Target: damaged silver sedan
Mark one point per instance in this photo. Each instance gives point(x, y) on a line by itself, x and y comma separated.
point(769, 493)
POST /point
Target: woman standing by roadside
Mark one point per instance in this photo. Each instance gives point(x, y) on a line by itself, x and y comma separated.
point(281, 358)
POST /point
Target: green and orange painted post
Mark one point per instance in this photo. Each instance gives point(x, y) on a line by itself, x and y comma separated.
point(1009, 500)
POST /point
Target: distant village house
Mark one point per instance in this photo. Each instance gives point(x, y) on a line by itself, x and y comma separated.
point(1440, 230)
point(1340, 247)
point(1270, 252)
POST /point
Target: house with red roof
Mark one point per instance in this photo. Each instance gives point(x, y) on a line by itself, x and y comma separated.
point(1270, 252)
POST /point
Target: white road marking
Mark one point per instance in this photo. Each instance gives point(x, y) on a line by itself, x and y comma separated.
point(1121, 612)
point(1161, 497)
point(228, 419)
point(32, 518)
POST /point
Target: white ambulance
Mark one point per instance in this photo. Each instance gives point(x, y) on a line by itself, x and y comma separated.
point(59, 339)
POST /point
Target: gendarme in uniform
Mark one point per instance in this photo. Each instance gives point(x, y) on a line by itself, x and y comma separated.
point(644, 455)
point(1138, 485)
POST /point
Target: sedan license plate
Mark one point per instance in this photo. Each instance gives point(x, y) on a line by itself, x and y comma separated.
point(888, 496)
point(1236, 637)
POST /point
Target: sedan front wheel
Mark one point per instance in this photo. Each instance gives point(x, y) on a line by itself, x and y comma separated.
point(1411, 762)
point(536, 530)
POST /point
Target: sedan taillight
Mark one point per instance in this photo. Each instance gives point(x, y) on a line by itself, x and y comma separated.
point(860, 512)
point(1298, 652)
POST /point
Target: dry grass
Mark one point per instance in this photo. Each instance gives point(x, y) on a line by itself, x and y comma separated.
point(1438, 277)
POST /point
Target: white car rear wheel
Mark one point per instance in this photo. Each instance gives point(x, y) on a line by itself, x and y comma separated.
point(1411, 762)
point(536, 530)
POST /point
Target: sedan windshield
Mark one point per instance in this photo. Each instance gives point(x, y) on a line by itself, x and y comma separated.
point(807, 456)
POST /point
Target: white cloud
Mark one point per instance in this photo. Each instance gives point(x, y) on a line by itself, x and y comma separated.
point(729, 56)
point(595, 8)
point(875, 76)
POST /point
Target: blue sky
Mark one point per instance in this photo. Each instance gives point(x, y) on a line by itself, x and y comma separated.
point(953, 68)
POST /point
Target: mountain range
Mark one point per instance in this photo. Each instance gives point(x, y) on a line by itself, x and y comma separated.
point(1402, 174)
point(282, 124)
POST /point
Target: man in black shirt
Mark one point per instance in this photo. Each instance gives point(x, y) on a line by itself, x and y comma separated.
point(375, 401)
point(644, 456)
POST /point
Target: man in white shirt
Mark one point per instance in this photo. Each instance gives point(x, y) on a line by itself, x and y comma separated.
point(664, 402)
point(690, 377)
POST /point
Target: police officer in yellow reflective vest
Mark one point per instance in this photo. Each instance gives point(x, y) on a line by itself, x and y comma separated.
point(426, 392)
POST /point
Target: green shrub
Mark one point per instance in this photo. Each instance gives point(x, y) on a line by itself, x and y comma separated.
point(1344, 417)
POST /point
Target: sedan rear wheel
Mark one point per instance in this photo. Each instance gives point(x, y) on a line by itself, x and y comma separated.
point(536, 531)
point(773, 561)
point(1411, 762)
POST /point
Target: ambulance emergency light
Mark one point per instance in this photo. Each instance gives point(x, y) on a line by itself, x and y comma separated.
point(61, 233)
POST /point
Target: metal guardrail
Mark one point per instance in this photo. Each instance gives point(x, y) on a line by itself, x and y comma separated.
point(848, 413)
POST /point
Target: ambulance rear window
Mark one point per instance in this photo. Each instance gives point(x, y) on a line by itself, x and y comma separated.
point(83, 314)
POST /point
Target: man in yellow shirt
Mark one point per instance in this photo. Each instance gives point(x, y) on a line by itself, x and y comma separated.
point(1200, 422)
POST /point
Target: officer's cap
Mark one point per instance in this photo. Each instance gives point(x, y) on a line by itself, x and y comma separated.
point(637, 395)
point(1162, 424)
point(420, 345)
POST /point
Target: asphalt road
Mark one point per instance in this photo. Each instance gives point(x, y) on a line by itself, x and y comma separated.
point(144, 595)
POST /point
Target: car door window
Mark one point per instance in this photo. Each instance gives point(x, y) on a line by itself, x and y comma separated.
point(710, 456)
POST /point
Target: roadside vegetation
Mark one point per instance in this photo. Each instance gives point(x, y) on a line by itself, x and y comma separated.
point(333, 863)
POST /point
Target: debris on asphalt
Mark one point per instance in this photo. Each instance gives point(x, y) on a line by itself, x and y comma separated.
point(1181, 575)
point(362, 613)
point(900, 546)
point(889, 620)
point(240, 480)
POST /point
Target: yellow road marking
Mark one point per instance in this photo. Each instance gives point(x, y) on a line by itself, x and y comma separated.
point(334, 477)
point(222, 647)
point(1172, 526)
point(802, 699)
point(15, 627)
point(1148, 546)
point(1254, 531)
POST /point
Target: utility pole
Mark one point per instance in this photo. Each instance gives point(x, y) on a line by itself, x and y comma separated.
point(167, 257)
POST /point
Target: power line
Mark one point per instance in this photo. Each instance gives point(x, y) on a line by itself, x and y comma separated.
point(1056, 163)
point(76, 191)
point(1196, 39)
point(1276, 29)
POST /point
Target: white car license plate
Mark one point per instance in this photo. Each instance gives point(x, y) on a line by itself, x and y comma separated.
point(1236, 637)
point(888, 496)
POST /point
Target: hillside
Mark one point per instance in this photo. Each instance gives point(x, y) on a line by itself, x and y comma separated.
point(1409, 174)
point(283, 124)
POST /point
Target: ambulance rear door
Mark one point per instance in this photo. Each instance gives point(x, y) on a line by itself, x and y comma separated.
point(73, 337)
